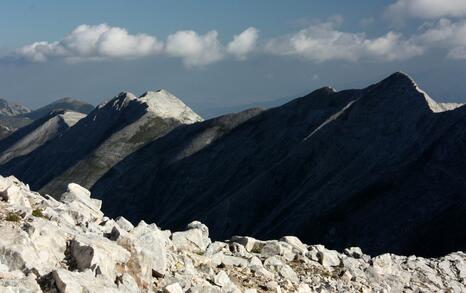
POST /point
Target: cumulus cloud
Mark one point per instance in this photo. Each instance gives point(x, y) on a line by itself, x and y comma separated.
point(244, 43)
point(323, 42)
point(87, 42)
point(195, 49)
point(100, 42)
point(426, 9)
point(448, 35)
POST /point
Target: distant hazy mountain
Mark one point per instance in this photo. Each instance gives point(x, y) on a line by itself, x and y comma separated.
point(99, 141)
point(14, 116)
point(12, 109)
point(61, 104)
point(211, 112)
point(36, 134)
point(9, 113)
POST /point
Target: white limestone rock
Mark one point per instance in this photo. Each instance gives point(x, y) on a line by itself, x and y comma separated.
point(195, 239)
point(124, 224)
point(71, 282)
point(83, 208)
point(173, 288)
point(20, 285)
point(75, 248)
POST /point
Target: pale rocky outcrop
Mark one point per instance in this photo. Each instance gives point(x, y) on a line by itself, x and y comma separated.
point(70, 246)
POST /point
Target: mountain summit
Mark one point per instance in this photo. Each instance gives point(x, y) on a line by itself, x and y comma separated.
point(340, 168)
point(97, 142)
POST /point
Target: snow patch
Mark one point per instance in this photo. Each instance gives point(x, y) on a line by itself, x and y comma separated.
point(330, 119)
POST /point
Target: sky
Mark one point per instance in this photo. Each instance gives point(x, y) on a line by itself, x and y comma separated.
point(216, 53)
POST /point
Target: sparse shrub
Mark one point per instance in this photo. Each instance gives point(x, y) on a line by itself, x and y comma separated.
point(13, 217)
point(38, 213)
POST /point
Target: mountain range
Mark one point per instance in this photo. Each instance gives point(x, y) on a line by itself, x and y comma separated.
point(14, 116)
point(381, 167)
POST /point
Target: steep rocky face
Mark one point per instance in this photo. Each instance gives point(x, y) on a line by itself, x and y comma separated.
point(339, 168)
point(69, 245)
point(27, 139)
point(11, 109)
point(99, 141)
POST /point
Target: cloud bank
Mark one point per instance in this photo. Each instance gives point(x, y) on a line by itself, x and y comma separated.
point(446, 34)
point(318, 42)
point(93, 43)
point(100, 42)
point(426, 9)
point(323, 42)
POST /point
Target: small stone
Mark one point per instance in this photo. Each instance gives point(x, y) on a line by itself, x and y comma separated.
point(222, 279)
point(173, 288)
point(295, 243)
point(272, 248)
point(251, 244)
point(354, 252)
point(124, 224)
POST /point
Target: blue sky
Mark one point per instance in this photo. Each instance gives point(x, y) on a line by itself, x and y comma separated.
point(94, 49)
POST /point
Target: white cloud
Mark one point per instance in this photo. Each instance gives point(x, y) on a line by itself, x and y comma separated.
point(426, 9)
point(323, 42)
point(244, 43)
point(194, 49)
point(88, 42)
point(448, 35)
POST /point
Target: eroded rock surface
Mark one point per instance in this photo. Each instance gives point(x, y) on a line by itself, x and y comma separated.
point(68, 245)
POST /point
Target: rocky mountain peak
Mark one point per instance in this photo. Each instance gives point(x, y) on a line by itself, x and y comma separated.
point(119, 102)
point(406, 87)
point(12, 109)
point(166, 105)
point(159, 102)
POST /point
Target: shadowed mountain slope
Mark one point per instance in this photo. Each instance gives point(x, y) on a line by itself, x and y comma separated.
point(382, 168)
point(100, 140)
point(27, 139)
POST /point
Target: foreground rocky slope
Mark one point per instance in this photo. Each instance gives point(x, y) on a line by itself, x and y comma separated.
point(70, 246)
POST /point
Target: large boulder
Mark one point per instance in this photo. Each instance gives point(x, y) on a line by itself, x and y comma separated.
point(83, 208)
point(195, 238)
